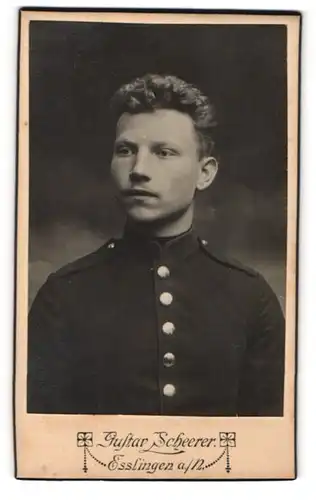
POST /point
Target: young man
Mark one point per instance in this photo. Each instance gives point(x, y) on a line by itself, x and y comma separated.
point(154, 323)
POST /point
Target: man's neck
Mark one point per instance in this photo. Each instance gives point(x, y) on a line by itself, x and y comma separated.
point(162, 229)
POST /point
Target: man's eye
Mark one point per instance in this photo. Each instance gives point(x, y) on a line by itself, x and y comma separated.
point(123, 151)
point(166, 152)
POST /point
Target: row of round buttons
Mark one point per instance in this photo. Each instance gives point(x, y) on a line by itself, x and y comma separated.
point(166, 299)
point(168, 328)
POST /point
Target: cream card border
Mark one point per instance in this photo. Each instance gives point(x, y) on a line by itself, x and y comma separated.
point(53, 446)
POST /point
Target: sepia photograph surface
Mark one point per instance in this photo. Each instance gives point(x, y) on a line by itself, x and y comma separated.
point(156, 245)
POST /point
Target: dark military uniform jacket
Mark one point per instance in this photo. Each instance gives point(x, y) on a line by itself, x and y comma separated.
point(143, 328)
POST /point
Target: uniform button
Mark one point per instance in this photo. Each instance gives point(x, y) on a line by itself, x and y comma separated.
point(163, 272)
point(169, 359)
point(111, 245)
point(166, 298)
point(204, 242)
point(168, 328)
point(169, 390)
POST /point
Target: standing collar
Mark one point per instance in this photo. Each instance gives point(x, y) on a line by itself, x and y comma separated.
point(167, 250)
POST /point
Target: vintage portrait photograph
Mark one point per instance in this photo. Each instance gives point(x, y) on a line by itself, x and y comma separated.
point(156, 245)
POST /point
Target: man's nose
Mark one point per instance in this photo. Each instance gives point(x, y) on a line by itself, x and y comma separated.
point(140, 166)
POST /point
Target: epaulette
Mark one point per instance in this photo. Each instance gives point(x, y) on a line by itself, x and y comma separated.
point(227, 262)
point(87, 261)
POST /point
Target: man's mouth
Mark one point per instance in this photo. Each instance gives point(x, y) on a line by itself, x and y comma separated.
point(138, 192)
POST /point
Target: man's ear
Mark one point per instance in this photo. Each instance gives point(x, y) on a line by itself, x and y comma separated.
point(208, 171)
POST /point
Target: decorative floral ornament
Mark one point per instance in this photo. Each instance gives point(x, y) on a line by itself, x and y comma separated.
point(84, 439)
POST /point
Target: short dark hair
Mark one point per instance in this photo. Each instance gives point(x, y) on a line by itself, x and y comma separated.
point(151, 92)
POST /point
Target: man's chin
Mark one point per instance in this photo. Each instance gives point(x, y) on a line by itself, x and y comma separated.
point(153, 219)
point(143, 216)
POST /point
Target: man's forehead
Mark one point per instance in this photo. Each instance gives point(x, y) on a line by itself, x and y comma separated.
point(160, 125)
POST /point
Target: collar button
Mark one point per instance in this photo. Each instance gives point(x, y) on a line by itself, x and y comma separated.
point(163, 272)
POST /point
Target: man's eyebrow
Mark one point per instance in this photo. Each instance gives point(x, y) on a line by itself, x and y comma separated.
point(166, 143)
point(159, 143)
point(123, 140)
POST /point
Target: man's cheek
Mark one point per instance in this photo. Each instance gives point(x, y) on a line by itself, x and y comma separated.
point(182, 187)
point(119, 176)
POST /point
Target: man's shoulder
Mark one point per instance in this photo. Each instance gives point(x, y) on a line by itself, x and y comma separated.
point(239, 277)
point(83, 264)
point(228, 263)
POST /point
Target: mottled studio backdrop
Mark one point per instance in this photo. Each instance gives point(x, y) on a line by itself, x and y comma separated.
point(75, 68)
